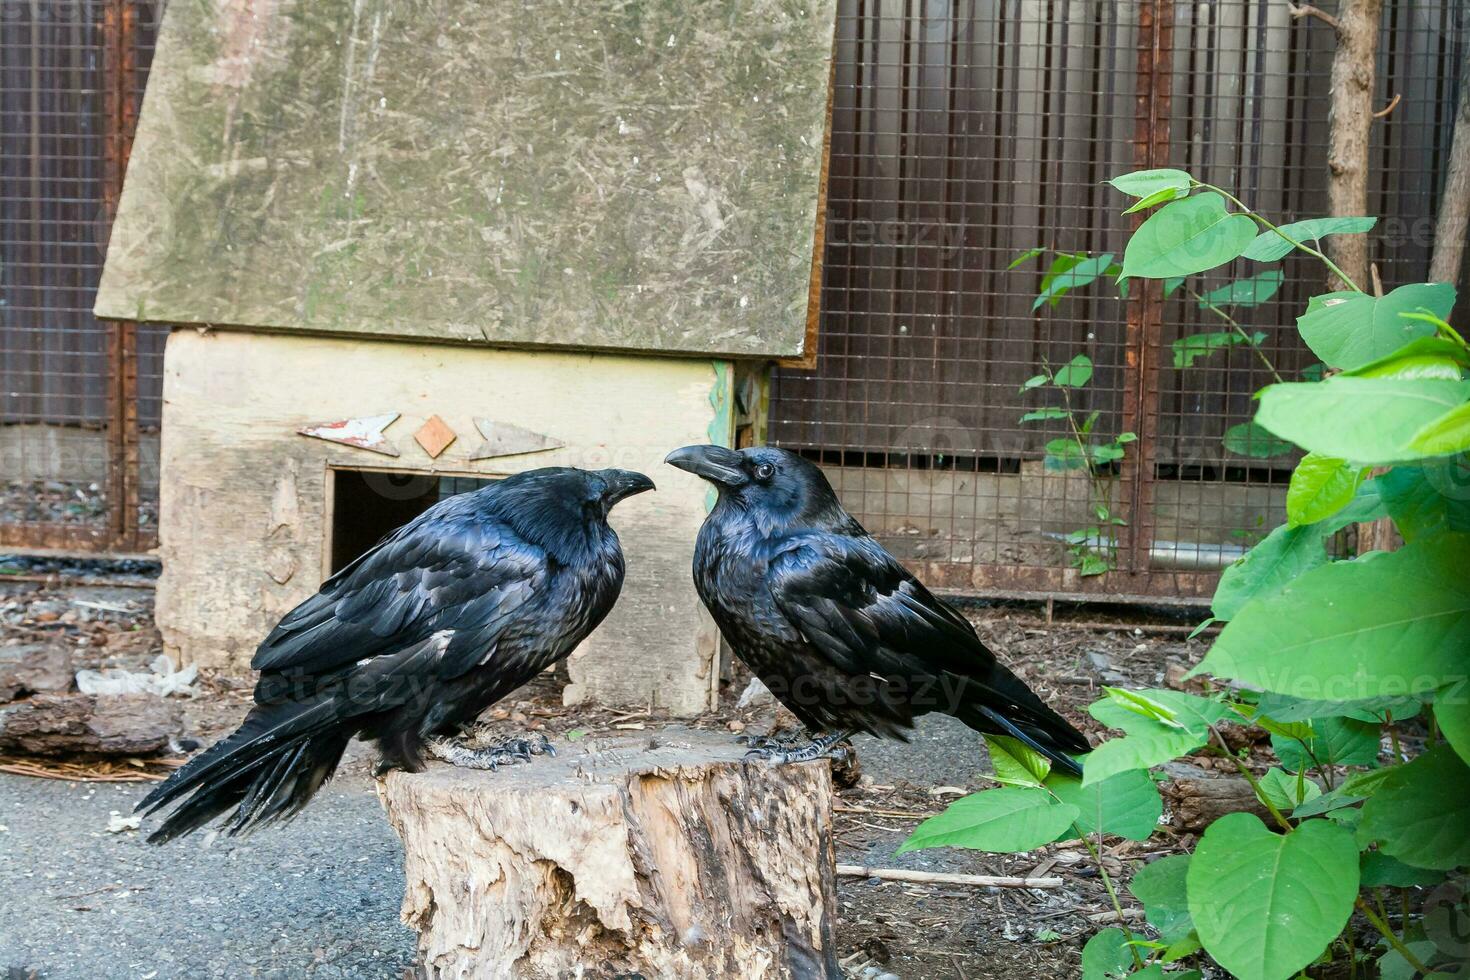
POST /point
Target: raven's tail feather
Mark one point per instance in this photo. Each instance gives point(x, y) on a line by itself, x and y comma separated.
point(1002, 704)
point(266, 771)
point(1032, 737)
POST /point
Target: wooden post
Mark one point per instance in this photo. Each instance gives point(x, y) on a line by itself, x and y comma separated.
point(1350, 119)
point(1454, 205)
point(661, 855)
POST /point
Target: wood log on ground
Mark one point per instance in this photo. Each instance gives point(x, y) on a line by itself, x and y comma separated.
point(1198, 798)
point(83, 724)
point(661, 855)
point(29, 668)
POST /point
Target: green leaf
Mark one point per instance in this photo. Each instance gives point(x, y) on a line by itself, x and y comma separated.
point(1349, 330)
point(1106, 955)
point(1320, 487)
point(1421, 811)
point(1426, 357)
point(1378, 870)
point(1144, 183)
point(1160, 887)
point(1075, 373)
point(1185, 237)
point(1450, 433)
point(1269, 246)
point(1078, 275)
point(1279, 558)
point(1149, 742)
point(1452, 714)
point(1189, 349)
point(1065, 453)
point(1133, 710)
point(1393, 966)
point(1333, 741)
point(1062, 264)
point(1009, 819)
point(1265, 904)
point(1044, 414)
point(1373, 710)
point(1369, 420)
point(1284, 790)
point(1025, 257)
point(1397, 624)
point(1187, 946)
point(1139, 750)
point(1250, 439)
point(1416, 503)
point(1035, 381)
point(1014, 763)
point(1126, 805)
point(1244, 292)
point(1160, 196)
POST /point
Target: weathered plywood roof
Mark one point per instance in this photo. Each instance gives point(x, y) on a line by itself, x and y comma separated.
point(624, 175)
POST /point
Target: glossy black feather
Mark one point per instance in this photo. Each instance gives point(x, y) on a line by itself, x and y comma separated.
point(449, 613)
point(839, 631)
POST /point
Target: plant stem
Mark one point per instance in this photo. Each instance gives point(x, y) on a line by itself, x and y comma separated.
point(1240, 330)
point(1347, 280)
point(1108, 884)
point(1388, 934)
point(1393, 738)
point(1251, 779)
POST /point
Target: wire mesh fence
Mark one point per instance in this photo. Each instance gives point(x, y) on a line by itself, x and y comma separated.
point(79, 398)
point(965, 133)
point(968, 133)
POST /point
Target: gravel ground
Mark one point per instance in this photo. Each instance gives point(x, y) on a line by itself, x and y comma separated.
point(317, 898)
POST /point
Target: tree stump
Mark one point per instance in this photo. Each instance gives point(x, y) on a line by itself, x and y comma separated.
point(661, 855)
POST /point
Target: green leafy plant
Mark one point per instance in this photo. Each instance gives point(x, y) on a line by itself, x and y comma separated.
point(1091, 549)
point(1330, 656)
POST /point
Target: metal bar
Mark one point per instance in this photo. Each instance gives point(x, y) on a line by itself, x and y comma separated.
point(112, 143)
point(1145, 304)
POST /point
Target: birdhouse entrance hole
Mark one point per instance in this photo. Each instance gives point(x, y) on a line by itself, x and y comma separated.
point(369, 504)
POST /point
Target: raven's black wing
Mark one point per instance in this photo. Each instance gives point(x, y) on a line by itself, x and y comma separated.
point(868, 615)
point(467, 574)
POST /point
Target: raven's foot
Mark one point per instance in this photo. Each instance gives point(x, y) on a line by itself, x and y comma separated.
point(503, 752)
point(826, 745)
point(782, 738)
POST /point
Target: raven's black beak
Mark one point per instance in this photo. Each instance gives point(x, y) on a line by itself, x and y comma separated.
point(622, 484)
point(714, 463)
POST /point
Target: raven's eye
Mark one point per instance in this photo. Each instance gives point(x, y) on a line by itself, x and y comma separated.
point(765, 471)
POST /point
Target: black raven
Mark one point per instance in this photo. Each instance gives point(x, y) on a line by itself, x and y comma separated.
point(410, 642)
point(837, 629)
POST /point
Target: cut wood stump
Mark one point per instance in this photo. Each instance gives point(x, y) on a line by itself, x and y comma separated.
point(661, 855)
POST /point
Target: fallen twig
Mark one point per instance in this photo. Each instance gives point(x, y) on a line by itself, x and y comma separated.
point(938, 878)
point(107, 771)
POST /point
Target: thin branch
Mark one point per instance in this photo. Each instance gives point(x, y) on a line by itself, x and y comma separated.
point(1382, 113)
point(1386, 931)
point(1332, 266)
point(1250, 778)
point(937, 878)
point(1238, 329)
point(1298, 11)
point(1107, 881)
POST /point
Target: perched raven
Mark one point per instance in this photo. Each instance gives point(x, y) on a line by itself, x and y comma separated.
point(837, 629)
point(414, 639)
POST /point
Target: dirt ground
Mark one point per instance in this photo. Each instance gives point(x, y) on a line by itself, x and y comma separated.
point(886, 928)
